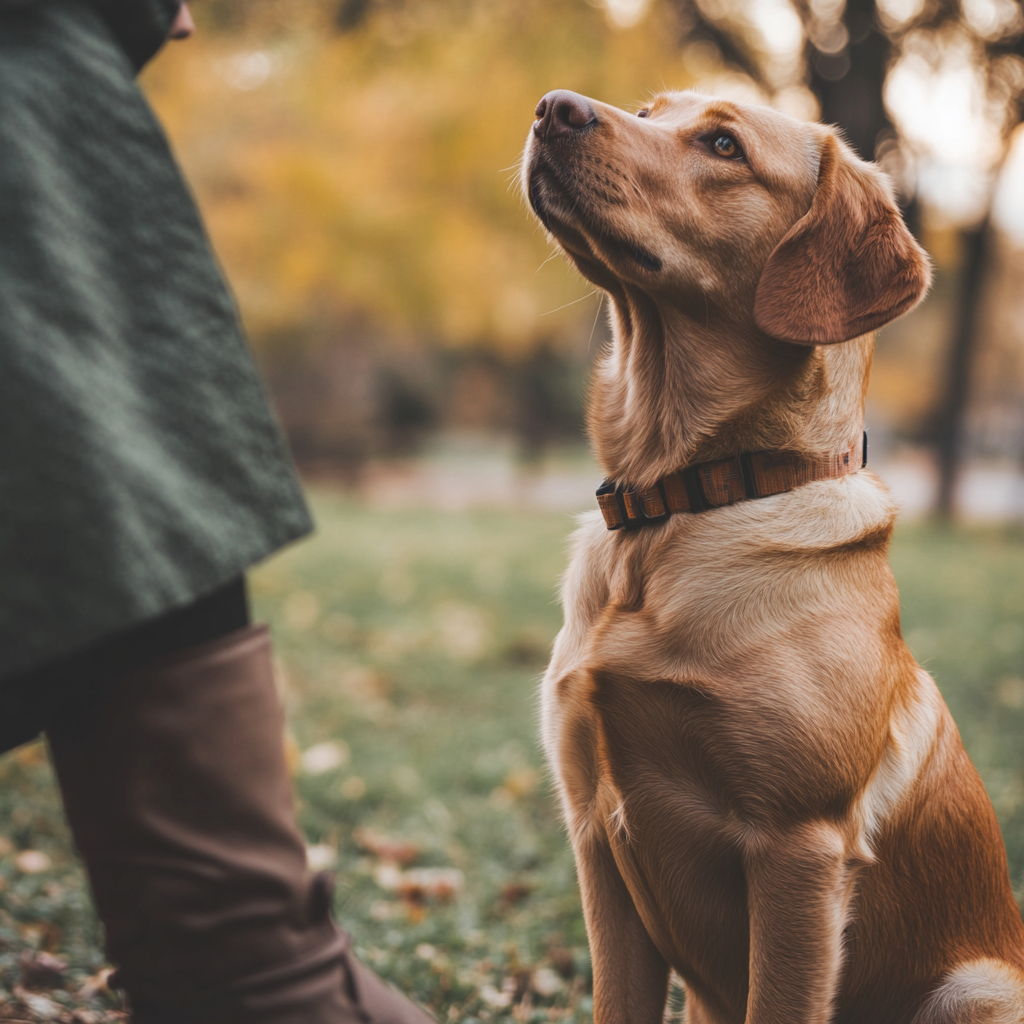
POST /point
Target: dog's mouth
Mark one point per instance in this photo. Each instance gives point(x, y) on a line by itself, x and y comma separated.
point(562, 208)
point(537, 196)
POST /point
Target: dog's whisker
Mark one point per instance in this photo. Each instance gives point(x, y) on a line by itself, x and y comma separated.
point(544, 263)
point(593, 326)
point(582, 298)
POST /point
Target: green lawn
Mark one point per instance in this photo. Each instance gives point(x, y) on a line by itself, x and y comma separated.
point(410, 647)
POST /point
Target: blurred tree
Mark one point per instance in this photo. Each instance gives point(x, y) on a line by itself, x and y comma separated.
point(348, 153)
point(357, 165)
point(848, 56)
point(372, 172)
point(994, 31)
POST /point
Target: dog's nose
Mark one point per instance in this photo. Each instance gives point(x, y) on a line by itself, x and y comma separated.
point(562, 112)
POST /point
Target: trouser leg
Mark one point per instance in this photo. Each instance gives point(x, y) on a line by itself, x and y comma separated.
point(175, 787)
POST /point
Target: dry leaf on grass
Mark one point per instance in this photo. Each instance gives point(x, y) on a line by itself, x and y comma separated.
point(98, 986)
point(42, 1007)
point(386, 848)
point(421, 885)
point(32, 862)
point(41, 970)
point(513, 893)
point(324, 757)
point(321, 856)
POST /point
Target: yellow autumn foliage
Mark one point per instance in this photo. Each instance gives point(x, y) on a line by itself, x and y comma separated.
point(370, 176)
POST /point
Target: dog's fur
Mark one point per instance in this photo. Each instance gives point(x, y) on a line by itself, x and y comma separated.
point(764, 791)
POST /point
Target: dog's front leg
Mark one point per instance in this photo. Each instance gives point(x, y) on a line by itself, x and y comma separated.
point(630, 975)
point(799, 888)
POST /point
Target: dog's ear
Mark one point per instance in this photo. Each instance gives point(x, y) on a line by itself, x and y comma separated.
point(848, 266)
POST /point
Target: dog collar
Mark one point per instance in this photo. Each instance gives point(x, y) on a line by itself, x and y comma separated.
point(710, 485)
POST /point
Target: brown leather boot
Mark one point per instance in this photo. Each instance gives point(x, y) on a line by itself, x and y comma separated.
point(175, 787)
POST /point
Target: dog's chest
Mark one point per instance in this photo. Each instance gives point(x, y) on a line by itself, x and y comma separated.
point(732, 683)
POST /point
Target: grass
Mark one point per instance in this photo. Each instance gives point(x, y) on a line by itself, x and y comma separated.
point(410, 644)
point(962, 597)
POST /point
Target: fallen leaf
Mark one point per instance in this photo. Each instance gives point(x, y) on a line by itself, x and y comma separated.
point(87, 1017)
point(562, 960)
point(387, 875)
point(395, 851)
point(546, 983)
point(41, 970)
point(513, 893)
point(493, 998)
point(321, 856)
point(382, 910)
point(420, 885)
point(98, 985)
point(324, 757)
point(42, 1006)
point(32, 862)
point(440, 885)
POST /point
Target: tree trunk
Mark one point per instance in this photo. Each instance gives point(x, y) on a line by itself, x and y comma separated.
point(951, 414)
point(849, 84)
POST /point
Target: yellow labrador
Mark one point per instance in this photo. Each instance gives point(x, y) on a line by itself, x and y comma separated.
point(763, 789)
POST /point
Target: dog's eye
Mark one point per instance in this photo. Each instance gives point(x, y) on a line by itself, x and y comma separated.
point(643, 113)
point(727, 146)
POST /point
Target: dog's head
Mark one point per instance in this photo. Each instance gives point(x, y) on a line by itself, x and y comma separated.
point(711, 205)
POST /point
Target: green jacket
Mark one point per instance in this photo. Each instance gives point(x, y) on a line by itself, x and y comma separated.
point(140, 466)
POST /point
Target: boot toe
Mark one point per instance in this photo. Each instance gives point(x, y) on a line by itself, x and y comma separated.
point(379, 1001)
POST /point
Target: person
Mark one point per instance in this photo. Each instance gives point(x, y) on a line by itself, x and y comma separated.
point(141, 475)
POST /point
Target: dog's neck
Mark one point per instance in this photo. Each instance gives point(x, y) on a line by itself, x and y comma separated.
point(673, 391)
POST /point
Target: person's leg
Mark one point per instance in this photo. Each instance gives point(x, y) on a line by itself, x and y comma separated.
point(175, 787)
point(64, 689)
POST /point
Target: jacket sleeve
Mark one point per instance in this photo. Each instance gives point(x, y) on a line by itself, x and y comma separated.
point(139, 26)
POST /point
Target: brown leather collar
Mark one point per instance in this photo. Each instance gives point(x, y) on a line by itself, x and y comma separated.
point(713, 484)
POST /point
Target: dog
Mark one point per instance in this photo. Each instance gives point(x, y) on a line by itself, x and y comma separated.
point(763, 789)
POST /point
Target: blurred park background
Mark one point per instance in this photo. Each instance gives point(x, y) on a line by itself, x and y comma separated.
point(356, 161)
point(356, 164)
